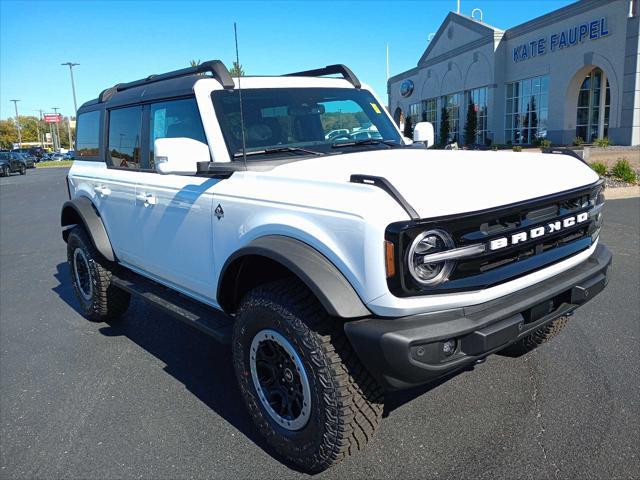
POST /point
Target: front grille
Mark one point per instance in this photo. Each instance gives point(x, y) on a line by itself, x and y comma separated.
point(497, 266)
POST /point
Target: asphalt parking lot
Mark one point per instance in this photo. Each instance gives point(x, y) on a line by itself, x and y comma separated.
point(151, 398)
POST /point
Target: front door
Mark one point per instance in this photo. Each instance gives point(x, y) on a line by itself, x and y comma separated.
point(173, 213)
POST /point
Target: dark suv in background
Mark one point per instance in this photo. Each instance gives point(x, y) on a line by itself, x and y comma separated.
point(11, 163)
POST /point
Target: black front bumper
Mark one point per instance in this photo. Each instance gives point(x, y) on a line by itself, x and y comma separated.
point(408, 351)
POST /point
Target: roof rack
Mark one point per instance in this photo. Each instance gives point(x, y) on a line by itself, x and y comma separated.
point(563, 151)
point(215, 67)
point(343, 70)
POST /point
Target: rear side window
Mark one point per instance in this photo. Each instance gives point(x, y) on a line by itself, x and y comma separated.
point(125, 137)
point(87, 136)
point(173, 119)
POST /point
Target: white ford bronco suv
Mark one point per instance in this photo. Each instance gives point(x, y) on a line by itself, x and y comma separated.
point(289, 217)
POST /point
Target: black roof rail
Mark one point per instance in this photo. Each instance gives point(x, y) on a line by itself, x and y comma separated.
point(343, 70)
point(215, 67)
point(564, 151)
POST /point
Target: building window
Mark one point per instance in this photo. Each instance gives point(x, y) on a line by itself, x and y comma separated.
point(430, 113)
point(452, 104)
point(592, 120)
point(478, 98)
point(527, 110)
point(415, 113)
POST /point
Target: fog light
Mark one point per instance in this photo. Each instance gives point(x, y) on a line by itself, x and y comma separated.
point(449, 347)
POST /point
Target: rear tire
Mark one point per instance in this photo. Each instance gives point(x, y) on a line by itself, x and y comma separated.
point(91, 278)
point(23, 170)
point(337, 407)
point(5, 171)
point(536, 338)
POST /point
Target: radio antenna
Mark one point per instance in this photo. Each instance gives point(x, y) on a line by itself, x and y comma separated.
point(244, 146)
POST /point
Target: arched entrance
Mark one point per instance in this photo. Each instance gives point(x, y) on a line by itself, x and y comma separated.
point(594, 100)
point(397, 116)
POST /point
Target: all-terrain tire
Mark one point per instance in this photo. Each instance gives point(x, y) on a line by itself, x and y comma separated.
point(23, 170)
point(99, 300)
point(5, 171)
point(346, 402)
point(535, 338)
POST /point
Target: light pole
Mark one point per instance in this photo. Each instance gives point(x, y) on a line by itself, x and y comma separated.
point(73, 85)
point(55, 110)
point(15, 104)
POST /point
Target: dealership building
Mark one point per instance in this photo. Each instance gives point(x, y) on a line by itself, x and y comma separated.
point(574, 72)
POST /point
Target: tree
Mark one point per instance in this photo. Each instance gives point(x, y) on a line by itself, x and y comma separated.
point(408, 127)
point(471, 127)
point(236, 70)
point(444, 126)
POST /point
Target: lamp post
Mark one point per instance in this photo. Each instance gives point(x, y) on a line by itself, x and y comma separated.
point(55, 110)
point(73, 85)
point(15, 104)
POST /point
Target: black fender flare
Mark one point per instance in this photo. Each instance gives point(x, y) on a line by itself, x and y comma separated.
point(82, 211)
point(316, 271)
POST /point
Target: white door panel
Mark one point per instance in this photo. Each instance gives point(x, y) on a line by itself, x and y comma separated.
point(173, 215)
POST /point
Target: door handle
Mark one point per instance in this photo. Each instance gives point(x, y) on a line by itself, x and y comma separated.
point(102, 190)
point(147, 198)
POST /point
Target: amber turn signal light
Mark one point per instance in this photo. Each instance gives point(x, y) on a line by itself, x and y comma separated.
point(389, 262)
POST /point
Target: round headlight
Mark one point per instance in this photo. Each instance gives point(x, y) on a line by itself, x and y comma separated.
point(428, 243)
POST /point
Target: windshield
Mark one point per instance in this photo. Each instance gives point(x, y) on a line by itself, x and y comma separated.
point(318, 119)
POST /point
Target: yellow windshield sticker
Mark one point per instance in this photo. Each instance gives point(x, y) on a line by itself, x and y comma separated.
point(376, 108)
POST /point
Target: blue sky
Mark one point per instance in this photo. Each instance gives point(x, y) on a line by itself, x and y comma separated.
point(121, 41)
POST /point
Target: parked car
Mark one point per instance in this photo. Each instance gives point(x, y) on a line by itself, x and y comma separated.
point(10, 163)
point(56, 157)
point(336, 270)
point(28, 160)
point(340, 132)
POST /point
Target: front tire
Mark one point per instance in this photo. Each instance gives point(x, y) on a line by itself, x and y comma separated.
point(5, 171)
point(23, 170)
point(304, 387)
point(91, 278)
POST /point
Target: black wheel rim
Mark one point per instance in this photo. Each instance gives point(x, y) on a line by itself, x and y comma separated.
point(280, 380)
point(82, 274)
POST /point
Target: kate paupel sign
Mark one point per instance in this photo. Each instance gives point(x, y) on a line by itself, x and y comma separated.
point(564, 39)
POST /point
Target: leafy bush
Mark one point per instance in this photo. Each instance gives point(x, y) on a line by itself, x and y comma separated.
point(600, 168)
point(517, 148)
point(544, 143)
point(577, 141)
point(622, 170)
point(602, 142)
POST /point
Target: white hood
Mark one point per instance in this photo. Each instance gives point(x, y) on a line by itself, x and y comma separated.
point(445, 182)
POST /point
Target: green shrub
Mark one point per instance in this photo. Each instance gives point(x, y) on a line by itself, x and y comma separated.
point(517, 148)
point(623, 171)
point(577, 141)
point(544, 143)
point(602, 142)
point(600, 168)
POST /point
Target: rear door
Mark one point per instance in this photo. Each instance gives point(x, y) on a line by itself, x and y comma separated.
point(115, 190)
point(173, 213)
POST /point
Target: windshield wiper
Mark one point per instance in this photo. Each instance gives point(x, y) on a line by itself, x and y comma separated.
point(366, 141)
point(269, 151)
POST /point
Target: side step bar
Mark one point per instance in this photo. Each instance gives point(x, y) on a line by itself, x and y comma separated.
point(214, 323)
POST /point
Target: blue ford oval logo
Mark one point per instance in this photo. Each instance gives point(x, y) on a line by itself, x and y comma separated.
point(406, 88)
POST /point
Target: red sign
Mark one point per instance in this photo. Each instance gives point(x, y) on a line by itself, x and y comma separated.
point(52, 117)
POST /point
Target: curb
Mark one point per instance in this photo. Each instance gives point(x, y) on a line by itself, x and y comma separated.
point(622, 192)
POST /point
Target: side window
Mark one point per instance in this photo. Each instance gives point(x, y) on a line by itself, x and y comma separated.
point(173, 119)
point(87, 136)
point(124, 137)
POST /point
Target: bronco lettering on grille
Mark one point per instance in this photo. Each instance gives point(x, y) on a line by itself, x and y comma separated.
point(538, 231)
